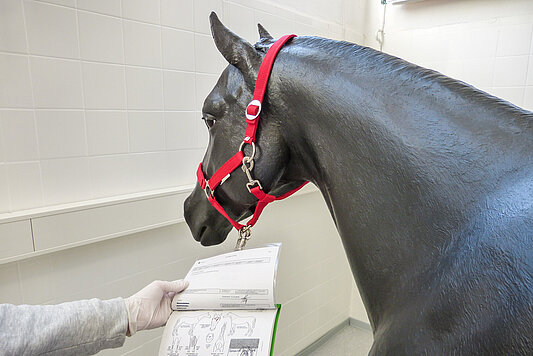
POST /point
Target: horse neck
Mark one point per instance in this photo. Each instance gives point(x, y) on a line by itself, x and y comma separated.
point(398, 164)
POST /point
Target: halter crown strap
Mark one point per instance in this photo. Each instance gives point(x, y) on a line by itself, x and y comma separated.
point(252, 120)
point(254, 108)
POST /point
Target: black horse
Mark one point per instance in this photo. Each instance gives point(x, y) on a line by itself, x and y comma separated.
point(429, 182)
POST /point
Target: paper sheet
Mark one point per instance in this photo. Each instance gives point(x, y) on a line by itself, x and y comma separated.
point(236, 280)
point(216, 333)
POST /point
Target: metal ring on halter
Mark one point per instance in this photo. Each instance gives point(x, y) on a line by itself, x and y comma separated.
point(253, 148)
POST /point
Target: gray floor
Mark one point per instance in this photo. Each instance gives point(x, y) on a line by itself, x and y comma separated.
point(349, 341)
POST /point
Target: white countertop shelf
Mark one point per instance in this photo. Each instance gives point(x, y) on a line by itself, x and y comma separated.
point(29, 233)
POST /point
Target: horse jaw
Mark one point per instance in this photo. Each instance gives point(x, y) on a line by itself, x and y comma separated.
point(207, 225)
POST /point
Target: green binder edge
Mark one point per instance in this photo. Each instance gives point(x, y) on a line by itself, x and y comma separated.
point(278, 306)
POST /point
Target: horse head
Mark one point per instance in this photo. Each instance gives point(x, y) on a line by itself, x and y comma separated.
point(224, 115)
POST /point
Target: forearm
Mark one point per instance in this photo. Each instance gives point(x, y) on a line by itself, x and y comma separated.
point(75, 328)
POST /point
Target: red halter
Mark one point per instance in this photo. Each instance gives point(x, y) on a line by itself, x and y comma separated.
point(239, 159)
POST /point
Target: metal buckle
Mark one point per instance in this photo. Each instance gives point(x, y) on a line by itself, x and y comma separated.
point(244, 235)
point(207, 187)
point(254, 102)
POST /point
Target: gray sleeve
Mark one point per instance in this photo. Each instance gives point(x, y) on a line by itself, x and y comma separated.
point(76, 328)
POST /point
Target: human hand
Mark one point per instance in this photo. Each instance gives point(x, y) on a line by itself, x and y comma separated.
point(150, 307)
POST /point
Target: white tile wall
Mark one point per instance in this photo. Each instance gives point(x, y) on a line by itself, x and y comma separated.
point(178, 14)
point(147, 131)
point(108, 7)
point(51, 30)
point(100, 37)
point(181, 173)
point(10, 291)
point(107, 132)
point(142, 44)
point(503, 77)
point(12, 27)
point(4, 190)
point(514, 40)
point(56, 83)
point(25, 185)
point(180, 129)
point(141, 10)
point(2, 151)
point(176, 46)
point(144, 88)
point(19, 137)
point(78, 76)
point(202, 7)
point(69, 3)
point(208, 60)
point(61, 133)
point(490, 49)
point(103, 97)
point(15, 86)
point(241, 20)
point(104, 86)
point(269, 20)
point(111, 174)
point(529, 79)
point(179, 89)
point(66, 180)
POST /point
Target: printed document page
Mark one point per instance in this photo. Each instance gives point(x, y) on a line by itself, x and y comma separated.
point(236, 280)
point(216, 333)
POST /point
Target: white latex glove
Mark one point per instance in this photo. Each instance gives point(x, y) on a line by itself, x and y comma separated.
point(150, 307)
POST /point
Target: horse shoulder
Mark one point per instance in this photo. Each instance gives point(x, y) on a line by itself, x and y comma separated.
point(478, 301)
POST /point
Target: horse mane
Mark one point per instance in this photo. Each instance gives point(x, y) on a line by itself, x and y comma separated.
point(370, 58)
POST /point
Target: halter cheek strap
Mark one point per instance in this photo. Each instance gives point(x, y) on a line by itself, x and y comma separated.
point(247, 162)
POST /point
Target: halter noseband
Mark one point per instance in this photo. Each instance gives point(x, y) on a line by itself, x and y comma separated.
point(247, 162)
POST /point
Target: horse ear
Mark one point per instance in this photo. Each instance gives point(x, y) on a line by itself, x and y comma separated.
point(236, 50)
point(263, 33)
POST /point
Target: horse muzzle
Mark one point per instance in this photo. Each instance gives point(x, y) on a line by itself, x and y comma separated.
point(206, 224)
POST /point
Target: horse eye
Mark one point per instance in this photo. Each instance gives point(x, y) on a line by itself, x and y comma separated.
point(209, 121)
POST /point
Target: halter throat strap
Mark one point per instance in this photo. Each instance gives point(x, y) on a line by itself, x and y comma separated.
point(239, 159)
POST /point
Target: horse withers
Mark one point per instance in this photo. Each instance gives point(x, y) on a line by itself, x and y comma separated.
point(429, 182)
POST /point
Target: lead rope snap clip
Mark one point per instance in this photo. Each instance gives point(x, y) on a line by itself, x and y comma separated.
point(244, 235)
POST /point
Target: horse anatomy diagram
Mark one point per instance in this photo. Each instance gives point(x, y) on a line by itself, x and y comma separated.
point(214, 333)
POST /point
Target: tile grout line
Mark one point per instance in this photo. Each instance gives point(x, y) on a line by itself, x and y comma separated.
point(134, 153)
point(90, 61)
point(35, 126)
point(196, 104)
point(162, 79)
point(92, 192)
point(127, 109)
